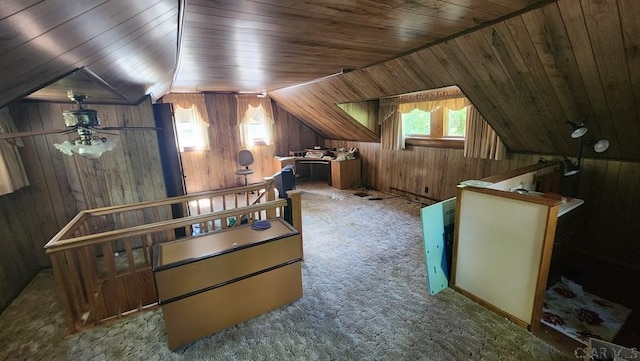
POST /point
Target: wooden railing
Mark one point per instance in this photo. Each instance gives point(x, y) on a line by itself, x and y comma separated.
point(102, 258)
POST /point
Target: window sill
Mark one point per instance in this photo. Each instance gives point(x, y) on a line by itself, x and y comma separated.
point(192, 149)
point(456, 143)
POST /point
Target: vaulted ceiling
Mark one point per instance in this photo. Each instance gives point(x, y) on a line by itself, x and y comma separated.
point(528, 66)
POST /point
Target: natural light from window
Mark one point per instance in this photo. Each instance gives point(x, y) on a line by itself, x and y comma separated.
point(416, 123)
point(439, 123)
point(455, 122)
point(192, 133)
point(257, 128)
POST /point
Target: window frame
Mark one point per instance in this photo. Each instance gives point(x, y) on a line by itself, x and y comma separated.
point(438, 137)
point(195, 125)
point(416, 135)
point(260, 112)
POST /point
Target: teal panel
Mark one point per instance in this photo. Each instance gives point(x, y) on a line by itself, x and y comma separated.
point(437, 232)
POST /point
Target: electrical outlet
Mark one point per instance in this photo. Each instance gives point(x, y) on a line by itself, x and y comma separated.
point(426, 189)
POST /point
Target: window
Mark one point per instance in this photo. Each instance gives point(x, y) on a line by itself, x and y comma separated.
point(437, 124)
point(255, 119)
point(455, 122)
point(192, 132)
point(416, 123)
point(256, 126)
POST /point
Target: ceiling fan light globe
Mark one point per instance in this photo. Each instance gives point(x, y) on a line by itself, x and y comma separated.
point(89, 152)
point(65, 147)
point(90, 149)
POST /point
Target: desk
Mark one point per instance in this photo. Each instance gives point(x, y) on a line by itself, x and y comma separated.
point(342, 174)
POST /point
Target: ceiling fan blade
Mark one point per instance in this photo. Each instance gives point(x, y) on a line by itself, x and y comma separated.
point(32, 133)
point(127, 128)
point(100, 131)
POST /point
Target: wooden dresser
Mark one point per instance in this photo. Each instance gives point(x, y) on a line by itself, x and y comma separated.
point(211, 282)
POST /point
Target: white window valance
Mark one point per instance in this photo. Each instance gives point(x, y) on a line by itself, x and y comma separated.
point(254, 107)
point(192, 120)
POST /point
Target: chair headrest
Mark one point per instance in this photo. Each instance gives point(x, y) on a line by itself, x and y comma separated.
point(245, 158)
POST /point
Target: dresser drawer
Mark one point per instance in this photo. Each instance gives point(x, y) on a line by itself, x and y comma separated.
point(213, 271)
point(191, 318)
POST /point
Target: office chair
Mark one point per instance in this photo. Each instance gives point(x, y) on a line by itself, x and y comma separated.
point(245, 159)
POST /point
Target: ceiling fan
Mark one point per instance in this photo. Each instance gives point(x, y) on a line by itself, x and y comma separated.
point(86, 123)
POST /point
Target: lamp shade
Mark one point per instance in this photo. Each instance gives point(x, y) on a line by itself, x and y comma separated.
point(91, 149)
point(601, 146)
point(577, 131)
point(569, 167)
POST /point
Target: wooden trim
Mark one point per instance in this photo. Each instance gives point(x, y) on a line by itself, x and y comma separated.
point(59, 271)
point(516, 172)
point(454, 143)
point(415, 194)
point(296, 205)
point(158, 226)
point(513, 195)
point(80, 217)
point(68, 228)
point(268, 184)
point(491, 307)
point(543, 268)
point(454, 250)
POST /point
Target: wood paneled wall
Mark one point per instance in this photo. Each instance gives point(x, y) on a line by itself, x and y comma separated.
point(215, 168)
point(606, 250)
point(526, 75)
point(62, 185)
point(289, 133)
point(417, 167)
point(20, 241)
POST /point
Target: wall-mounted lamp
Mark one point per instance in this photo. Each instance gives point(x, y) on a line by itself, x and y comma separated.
point(578, 131)
point(569, 167)
point(600, 146)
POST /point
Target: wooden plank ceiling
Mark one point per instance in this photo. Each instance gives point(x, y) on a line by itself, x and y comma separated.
point(131, 45)
point(259, 45)
point(528, 65)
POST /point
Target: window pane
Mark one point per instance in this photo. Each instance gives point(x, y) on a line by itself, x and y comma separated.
point(257, 128)
point(191, 134)
point(416, 122)
point(456, 122)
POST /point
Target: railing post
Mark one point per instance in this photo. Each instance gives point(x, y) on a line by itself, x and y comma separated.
point(296, 208)
point(271, 195)
point(66, 295)
point(296, 212)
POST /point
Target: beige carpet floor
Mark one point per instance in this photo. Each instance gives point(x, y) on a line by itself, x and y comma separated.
point(365, 298)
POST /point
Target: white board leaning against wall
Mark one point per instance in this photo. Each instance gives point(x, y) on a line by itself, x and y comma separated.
point(499, 250)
